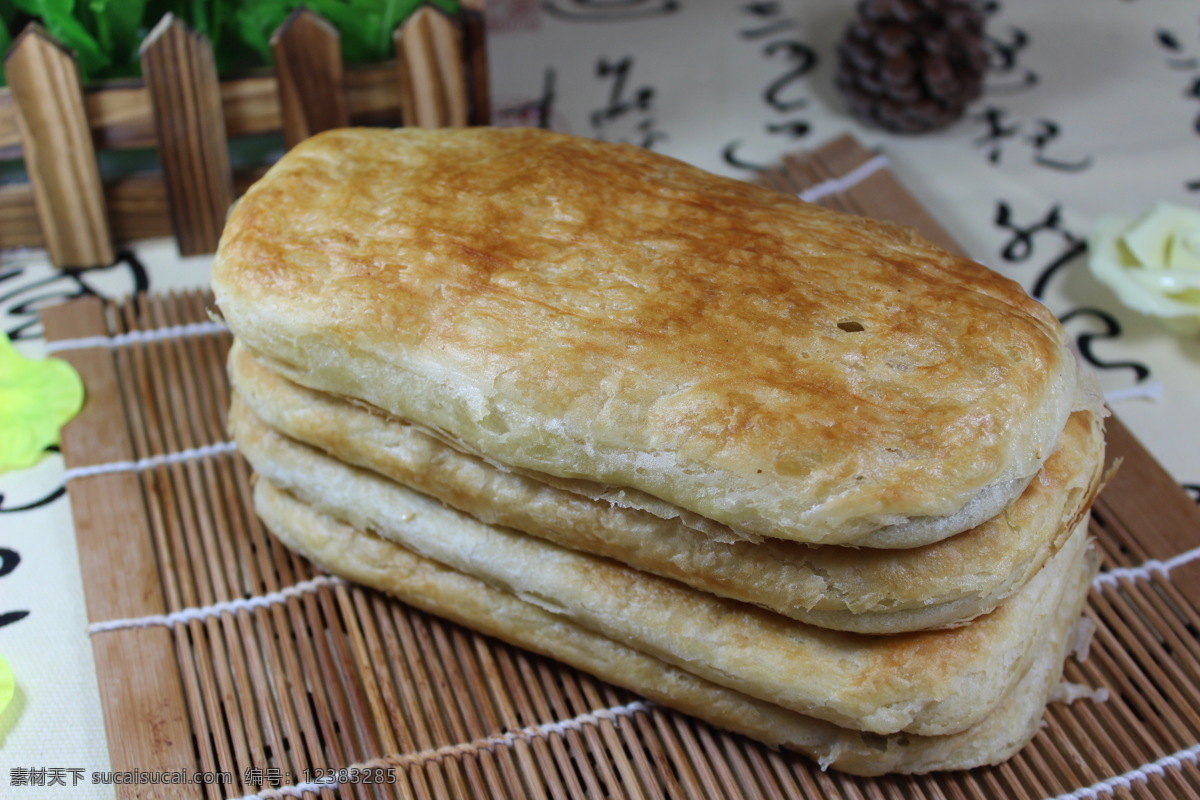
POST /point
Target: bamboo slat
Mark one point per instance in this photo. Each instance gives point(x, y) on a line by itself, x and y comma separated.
point(59, 156)
point(181, 76)
point(308, 66)
point(433, 75)
point(118, 557)
point(317, 674)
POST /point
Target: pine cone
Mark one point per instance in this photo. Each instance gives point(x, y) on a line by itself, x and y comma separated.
point(912, 66)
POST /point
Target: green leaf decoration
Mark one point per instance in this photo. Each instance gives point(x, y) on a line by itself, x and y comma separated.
point(37, 397)
point(58, 16)
point(106, 35)
point(255, 22)
point(122, 26)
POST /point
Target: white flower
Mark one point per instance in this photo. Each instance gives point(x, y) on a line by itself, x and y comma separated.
point(1152, 263)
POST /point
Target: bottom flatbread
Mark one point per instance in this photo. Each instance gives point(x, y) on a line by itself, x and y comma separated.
point(428, 585)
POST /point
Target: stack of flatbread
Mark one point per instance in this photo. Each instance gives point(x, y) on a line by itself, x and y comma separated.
point(801, 474)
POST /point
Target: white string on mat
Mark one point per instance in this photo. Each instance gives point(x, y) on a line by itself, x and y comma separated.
point(834, 185)
point(202, 612)
point(506, 739)
point(1147, 568)
point(1152, 391)
point(150, 462)
point(1142, 774)
point(138, 337)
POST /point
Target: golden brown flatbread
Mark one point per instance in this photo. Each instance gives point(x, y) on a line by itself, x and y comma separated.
point(864, 590)
point(928, 682)
point(675, 341)
point(433, 587)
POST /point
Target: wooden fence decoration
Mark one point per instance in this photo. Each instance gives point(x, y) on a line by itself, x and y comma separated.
point(59, 156)
point(308, 66)
point(181, 76)
point(188, 116)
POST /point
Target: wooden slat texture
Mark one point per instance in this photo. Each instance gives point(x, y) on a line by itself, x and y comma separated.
point(474, 32)
point(330, 674)
point(1166, 520)
point(119, 559)
point(120, 115)
point(58, 151)
point(433, 77)
point(181, 76)
point(308, 66)
point(19, 226)
point(137, 209)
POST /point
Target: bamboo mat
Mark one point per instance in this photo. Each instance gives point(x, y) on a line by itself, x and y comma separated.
point(219, 652)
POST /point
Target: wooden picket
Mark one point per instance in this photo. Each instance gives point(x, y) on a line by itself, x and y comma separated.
point(474, 28)
point(181, 74)
point(433, 76)
point(308, 65)
point(64, 176)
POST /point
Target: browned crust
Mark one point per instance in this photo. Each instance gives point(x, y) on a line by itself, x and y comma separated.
point(598, 311)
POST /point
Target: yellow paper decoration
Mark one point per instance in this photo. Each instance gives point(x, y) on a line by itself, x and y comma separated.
point(37, 397)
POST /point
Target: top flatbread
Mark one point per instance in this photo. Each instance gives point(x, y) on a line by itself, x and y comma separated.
point(601, 313)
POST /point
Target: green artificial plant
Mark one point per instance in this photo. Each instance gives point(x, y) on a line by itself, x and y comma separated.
point(105, 35)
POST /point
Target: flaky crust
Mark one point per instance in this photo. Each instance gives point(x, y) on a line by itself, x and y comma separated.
point(600, 312)
point(929, 682)
point(869, 591)
point(433, 587)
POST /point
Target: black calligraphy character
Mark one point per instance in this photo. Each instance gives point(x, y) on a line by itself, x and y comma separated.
point(793, 128)
point(44, 500)
point(1020, 247)
point(9, 559)
point(730, 156)
point(1004, 57)
point(1176, 58)
point(1046, 133)
point(534, 113)
point(1085, 342)
point(620, 106)
point(23, 297)
point(1193, 93)
point(803, 59)
point(610, 10)
point(766, 10)
point(780, 94)
point(997, 132)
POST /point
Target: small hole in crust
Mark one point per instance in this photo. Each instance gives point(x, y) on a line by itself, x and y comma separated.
point(851, 326)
